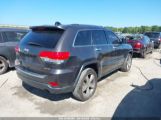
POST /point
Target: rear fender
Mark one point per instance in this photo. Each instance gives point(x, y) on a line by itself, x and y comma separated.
point(83, 67)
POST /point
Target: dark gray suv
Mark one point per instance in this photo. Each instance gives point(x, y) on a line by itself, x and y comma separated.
point(70, 58)
point(155, 37)
point(9, 38)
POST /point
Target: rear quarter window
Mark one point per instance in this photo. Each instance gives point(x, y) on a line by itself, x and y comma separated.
point(83, 38)
point(47, 39)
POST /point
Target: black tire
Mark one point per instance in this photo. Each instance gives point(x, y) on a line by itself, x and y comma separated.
point(143, 54)
point(127, 64)
point(83, 86)
point(3, 65)
point(159, 46)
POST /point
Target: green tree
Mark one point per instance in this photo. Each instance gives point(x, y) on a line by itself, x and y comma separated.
point(155, 28)
point(143, 29)
point(160, 29)
point(140, 29)
point(125, 30)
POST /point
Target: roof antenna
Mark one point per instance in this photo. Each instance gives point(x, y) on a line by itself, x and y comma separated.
point(57, 23)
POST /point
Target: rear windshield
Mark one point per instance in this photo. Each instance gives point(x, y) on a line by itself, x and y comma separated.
point(152, 35)
point(47, 39)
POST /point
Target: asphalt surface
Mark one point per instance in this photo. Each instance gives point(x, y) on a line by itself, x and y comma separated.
point(133, 94)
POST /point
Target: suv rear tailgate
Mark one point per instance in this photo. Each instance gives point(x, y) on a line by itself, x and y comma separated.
point(38, 40)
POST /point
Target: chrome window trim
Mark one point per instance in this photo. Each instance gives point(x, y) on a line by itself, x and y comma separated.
point(108, 43)
point(91, 38)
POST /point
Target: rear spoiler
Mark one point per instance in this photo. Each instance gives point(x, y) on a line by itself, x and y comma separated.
point(46, 28)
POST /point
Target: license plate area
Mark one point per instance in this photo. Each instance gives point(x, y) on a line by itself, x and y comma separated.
point(28, 59)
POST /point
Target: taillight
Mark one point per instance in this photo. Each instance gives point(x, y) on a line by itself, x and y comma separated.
point(54, 57)
point(137, 45)
point(160, 39)
point(53, 84)
point(17, 49)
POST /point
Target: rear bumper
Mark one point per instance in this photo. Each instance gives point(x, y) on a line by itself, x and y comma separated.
point(35, 80)
point(156, 44)
point(136, 50)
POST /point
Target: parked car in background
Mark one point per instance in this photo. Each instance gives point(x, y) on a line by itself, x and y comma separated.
point(70, 58)
point(156, 37)
point(121, 36)
point(141, 44)
point(118, 33)
point(9, 38)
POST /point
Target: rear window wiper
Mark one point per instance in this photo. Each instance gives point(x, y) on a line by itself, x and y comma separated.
point(34, 44)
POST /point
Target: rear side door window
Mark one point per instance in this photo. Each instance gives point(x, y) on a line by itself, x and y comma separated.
point(112, 38)
point(83, 38)
point(99, 37)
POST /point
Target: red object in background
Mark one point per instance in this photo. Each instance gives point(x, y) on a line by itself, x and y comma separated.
point(137, 45)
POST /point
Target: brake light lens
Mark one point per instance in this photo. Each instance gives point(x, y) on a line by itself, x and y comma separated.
point(17, 49)
point(54, 57)
point(137, 45)
point(53, 84)
point(160, 39)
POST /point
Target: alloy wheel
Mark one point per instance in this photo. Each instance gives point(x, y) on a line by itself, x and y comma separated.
point(2, 65)
point(88, 85)
point(129, 62)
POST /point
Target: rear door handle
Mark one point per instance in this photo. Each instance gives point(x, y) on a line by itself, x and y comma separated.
point(98, 49)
